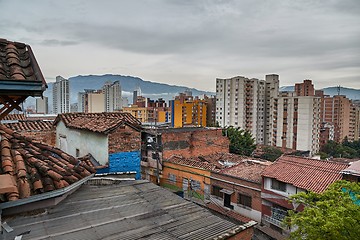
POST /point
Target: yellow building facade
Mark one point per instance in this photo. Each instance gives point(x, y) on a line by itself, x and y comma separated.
point(189, 112)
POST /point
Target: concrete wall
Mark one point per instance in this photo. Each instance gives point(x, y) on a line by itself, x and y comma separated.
point(85, 141)
point(290, 189)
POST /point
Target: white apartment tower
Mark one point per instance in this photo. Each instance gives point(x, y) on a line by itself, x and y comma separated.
point(296, 122)
point(246, 103)
point(61, 98)
point(112, 95)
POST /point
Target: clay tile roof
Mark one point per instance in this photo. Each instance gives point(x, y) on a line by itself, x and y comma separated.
point(17, 62)
point(248, 169)
point(98, 122)
point(30, 125)
point(36, 167)
point(310, 174)
point(190, 162)
point(15, 117)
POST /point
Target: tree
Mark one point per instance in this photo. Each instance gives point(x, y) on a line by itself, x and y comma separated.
point(241, 141)
point(271, 153)
point(333, 214)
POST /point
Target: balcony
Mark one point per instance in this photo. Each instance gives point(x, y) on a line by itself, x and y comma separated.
point(274, 221)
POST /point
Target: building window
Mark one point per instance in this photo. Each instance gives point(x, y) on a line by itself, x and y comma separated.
point(77, 153)
point(195, 185)
point(216, 191)
point(172, 178)
point(244, 200)
point(277, 185)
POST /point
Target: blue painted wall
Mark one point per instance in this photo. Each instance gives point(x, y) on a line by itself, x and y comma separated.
point(125, 162)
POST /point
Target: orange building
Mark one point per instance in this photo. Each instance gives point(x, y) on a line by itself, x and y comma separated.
point(188, 176)
point(190, 112)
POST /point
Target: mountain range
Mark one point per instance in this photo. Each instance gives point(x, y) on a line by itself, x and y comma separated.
point(128, 84)
point(153, 90)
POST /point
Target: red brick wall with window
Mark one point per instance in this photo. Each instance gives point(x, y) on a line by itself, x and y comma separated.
point(124, 139)
point(255, 195)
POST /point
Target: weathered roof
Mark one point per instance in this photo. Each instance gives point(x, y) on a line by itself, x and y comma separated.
point(310, 174)
point(354, 169)
point(36, 167)
point(18, 66)
point(213, 162)
point(248, 169)
point(124, 210)
point(30, 125)
point(14, 117)
point(98, 122)
point(190, 162)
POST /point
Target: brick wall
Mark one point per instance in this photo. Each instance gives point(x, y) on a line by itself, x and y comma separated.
point(255, 195)
point(194, 143)
point(47, 137)
point(246, 234)
point(124, 140)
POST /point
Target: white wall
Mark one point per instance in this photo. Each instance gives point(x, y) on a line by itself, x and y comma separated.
point(290, 189)
point(87, 142)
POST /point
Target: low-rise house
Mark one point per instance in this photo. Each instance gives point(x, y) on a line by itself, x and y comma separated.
point(239, 188)
point(352, 173)
point(30, 168)
point(163, 143)
point(113, 139)
point(289, 175)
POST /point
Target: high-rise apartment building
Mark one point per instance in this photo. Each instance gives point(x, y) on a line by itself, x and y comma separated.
point(306, 88)
point(191, 112)
point(247, 103)
point(296, 122)
point(112, 95)
point(91, 101)
point(61, 96)
point(42, 105)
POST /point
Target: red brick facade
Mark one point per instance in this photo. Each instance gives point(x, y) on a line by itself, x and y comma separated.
point(124, 139)
point(225, 183)
point(194, 143)
point(48, 137)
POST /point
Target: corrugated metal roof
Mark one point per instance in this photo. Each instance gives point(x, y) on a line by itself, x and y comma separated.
point(128, 210)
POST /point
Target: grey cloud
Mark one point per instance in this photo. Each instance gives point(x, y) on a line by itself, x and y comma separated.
point(55, 42)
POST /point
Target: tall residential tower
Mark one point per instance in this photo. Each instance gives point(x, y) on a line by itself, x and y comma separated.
point(61, 98)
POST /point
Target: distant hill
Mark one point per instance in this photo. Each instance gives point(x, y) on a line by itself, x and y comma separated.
point(350, 93)
point(128, 84)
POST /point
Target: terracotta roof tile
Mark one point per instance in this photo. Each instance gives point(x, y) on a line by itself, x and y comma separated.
point(17, 62)
point(310, 174)
point(30, 125)
point(15, 117)
point(98, 122)
point(213, 162)
point(191, 163)
point(247, 169)
point(36, 167)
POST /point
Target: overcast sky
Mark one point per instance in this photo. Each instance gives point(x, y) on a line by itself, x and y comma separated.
point(191, 42)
